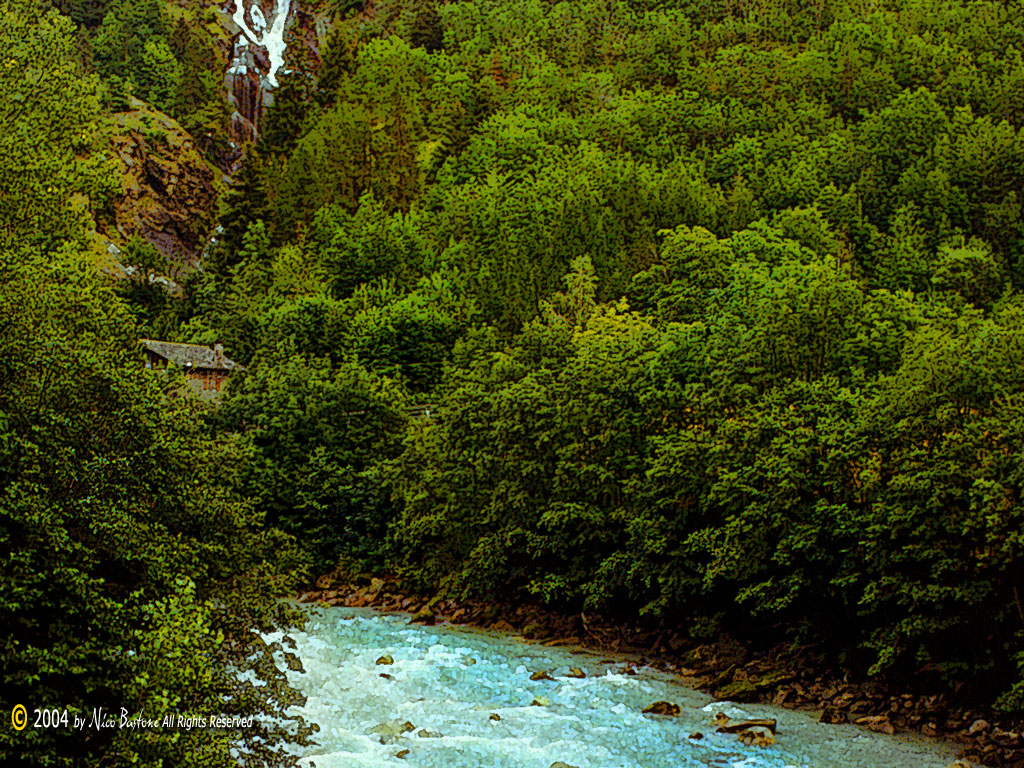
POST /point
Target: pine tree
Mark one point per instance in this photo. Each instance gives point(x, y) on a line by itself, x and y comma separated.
point(283, 122)
point(246, 202)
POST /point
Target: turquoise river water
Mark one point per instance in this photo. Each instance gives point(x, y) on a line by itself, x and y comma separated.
point(435, 709)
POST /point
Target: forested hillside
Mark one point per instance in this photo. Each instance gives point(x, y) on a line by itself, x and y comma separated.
point(716, 304)
point(132, 568)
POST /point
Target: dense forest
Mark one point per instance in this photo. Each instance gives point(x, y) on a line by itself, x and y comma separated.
point(716, 303)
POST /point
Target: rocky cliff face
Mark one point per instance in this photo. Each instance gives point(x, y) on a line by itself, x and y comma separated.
point(170, 191)
point(170, 197)
point(245, 92)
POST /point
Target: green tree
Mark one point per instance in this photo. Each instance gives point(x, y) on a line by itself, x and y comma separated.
point(318, 436)
point(247, 201)
point(46, 129)
point(135, 574)
point(159, 75)
point(120, 43)
point(971, 271)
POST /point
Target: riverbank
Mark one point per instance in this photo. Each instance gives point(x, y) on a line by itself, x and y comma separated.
point(782, 677)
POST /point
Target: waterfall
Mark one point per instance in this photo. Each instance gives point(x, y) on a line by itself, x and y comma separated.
point(258, 57)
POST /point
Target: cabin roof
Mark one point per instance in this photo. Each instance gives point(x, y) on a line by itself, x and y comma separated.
point(192, 355)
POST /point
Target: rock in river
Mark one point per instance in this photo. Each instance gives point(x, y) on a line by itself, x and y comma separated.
point(877, 723)
point(392, 730)
point(725, 725)
point(666, 708)
point(757, 736)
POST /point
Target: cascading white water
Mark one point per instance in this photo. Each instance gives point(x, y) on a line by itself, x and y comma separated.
point(258, 57)
point(269, 36)
point(448, 684)
point(258, 22)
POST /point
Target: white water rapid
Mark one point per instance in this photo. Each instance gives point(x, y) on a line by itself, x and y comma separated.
point(435, 707)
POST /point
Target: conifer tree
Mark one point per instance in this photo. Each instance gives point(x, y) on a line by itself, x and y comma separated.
point(245, 203)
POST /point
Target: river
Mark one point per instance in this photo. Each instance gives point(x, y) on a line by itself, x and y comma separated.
point(449, 683)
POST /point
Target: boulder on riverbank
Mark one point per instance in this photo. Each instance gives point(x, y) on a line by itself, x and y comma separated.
point(424, 616)
point(877, 723)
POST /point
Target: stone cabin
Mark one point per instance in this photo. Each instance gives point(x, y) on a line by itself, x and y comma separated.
point(206, 369)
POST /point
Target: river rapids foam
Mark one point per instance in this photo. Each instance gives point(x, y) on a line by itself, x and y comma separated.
point(448, 682)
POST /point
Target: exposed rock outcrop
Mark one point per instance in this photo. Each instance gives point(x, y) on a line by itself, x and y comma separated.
point(246, 91)
point(169, 196)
